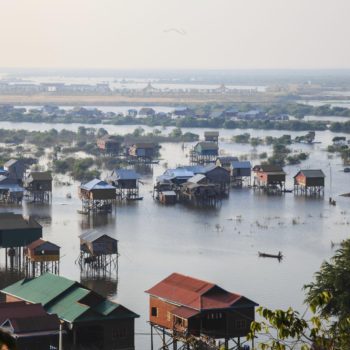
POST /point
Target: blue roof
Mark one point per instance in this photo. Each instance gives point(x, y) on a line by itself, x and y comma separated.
point(97, 184)
point(196, 169)
point(11, 187)
point(241, 165)
point(126, 174)
point(178, 173)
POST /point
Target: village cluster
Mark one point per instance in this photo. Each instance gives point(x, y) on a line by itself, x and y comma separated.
point(47, 311)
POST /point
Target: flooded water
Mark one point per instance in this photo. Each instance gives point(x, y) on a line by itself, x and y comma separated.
point(219, 245)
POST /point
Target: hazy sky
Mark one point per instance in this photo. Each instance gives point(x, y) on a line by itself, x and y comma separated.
point(137, 34)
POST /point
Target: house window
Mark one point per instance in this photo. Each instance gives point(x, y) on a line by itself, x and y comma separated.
point(154, 311)
point(168, 316)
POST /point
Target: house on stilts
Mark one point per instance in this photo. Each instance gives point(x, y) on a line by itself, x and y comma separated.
point(88, 319)
point(199, 314)
point(97, 196)
point(309, 182)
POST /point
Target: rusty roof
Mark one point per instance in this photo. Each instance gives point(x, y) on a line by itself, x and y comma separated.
point(40, 242)
point(194, 293)
point(184, 312)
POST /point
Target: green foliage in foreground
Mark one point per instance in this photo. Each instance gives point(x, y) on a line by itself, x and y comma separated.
point(326, 323)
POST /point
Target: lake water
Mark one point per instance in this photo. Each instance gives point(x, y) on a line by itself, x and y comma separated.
point(156, 240)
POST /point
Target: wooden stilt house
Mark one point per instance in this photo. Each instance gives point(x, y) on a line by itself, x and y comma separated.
point(240, 172)
point(309, 182)
point(38, 184)
point(97, 195)
point(192, 308)
point(41, 256)
point(126, 182)
point(89, 319)
point(211, 136)
point(204, 152)
point(270, 178)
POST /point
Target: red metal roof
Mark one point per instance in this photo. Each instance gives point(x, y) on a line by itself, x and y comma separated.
point(184, 312)
point(194, 293)
point(20, 309)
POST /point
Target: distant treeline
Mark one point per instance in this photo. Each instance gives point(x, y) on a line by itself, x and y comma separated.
point(206, 116)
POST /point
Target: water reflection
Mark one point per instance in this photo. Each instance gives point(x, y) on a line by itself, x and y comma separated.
point(103, 285)
point(41, 212)
point(95, 220)
point(9, 276)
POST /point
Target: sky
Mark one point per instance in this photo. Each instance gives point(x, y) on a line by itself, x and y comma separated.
point(175, 34)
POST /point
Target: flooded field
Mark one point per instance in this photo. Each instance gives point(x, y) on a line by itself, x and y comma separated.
point(219, 245)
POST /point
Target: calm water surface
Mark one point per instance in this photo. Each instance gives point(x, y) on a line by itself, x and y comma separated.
point(156, 240)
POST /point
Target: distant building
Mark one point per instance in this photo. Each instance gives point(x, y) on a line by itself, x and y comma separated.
point(269, 177)
point(147, 112)
point(16, 169)
point(39, 185)
point(10, 190)
point(206, 149)
point(225, 161)
point(211, 136)
point(132, 113)
point(89, 319)
point(145, 150)
point(309, 181)
point(109, 144)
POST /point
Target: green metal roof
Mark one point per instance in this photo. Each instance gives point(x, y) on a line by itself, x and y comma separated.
point(42, 289)
point(64, 297)
point(67, 307)
point(106, 307)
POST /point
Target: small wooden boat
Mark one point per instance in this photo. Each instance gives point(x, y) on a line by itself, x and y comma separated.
point(278, 256)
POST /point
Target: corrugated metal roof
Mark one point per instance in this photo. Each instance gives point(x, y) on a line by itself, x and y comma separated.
point(270, 168)
point(42, 289)
point(194, 293)
point(184, 312)
point(97, 184)
point(68, 306)
point(20, 309)
point(241, 165)
point(211, 133)
point(312, 173)
point(10, 163)
point(197, 178)
point(93, 235)
point(45, 244)
point(32, 324)
point(11, 221)
point(207, 145)
point(66, 299)
point(196, 169)
point(40, 176)
point(227, 159)
point(179, 173)
point(125, 174)
point(11, 187)
point(106, 307)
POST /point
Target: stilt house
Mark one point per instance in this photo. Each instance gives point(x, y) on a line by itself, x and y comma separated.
point(192, 307)
point(89, 318)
